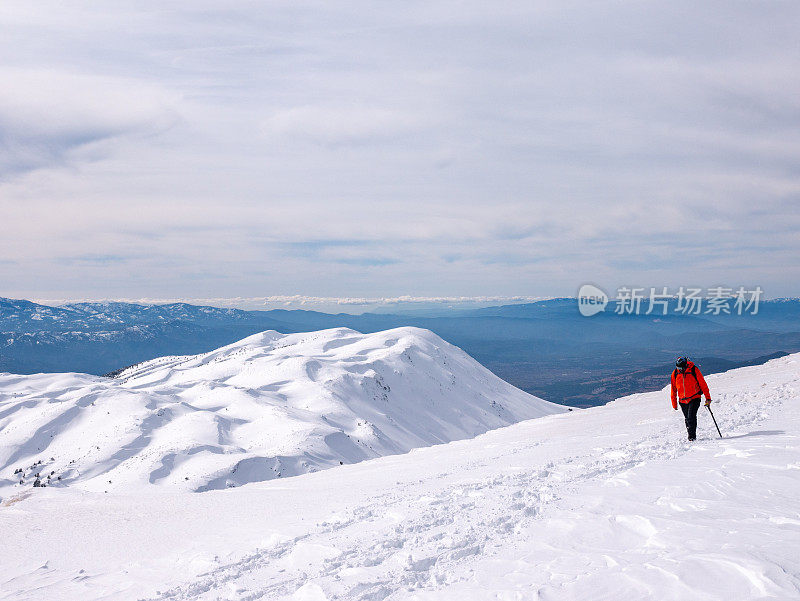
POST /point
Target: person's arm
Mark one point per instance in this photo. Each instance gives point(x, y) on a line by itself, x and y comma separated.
point(673, 391)
point(703, 386)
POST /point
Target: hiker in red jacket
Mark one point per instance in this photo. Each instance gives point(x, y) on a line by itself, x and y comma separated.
point(688, 385)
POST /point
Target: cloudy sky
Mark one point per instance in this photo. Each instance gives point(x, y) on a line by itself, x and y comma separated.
point(219, 149)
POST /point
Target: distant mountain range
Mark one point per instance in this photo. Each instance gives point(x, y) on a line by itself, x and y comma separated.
point(546, 348)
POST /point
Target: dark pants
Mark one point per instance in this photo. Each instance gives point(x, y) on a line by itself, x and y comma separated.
point(690, 413)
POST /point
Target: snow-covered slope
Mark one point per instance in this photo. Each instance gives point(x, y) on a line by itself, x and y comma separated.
point(603, 504)
point(268, 406)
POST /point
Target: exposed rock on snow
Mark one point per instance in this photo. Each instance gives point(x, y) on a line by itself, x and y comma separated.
point(268, 406)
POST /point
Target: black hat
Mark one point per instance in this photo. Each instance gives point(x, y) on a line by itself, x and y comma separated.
point(681, 362)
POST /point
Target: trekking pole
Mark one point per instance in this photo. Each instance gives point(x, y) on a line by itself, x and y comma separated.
point(715, 419)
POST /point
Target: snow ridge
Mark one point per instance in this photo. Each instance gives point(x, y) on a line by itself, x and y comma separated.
point(454, 540)
point(605, 504)
point(268, 406)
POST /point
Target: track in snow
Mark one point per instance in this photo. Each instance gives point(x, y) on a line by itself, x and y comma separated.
point(435, 534)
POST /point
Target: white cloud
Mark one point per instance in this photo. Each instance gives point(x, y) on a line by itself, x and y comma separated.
point(341, 125)
point(346, 149)
point(320, 303)
point(45, 113)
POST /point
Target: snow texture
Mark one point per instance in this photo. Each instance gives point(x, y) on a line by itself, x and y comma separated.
point(268, 406)
point(605, 504)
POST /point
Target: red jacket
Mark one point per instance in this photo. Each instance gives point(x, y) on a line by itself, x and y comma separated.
point(688, 385)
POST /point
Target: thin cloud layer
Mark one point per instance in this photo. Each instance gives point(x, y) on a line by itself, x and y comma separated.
point(45, 115)
point(322, 303)
point(217, 150)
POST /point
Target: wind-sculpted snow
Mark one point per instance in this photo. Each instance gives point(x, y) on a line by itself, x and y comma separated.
point(604, 504)
point(269, 406)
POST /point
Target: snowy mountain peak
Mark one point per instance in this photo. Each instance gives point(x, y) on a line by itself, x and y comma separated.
point(608, 503)
point(271, 405)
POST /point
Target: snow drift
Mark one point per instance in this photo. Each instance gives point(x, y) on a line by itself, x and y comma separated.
point(604, 504)
point(268, 406)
